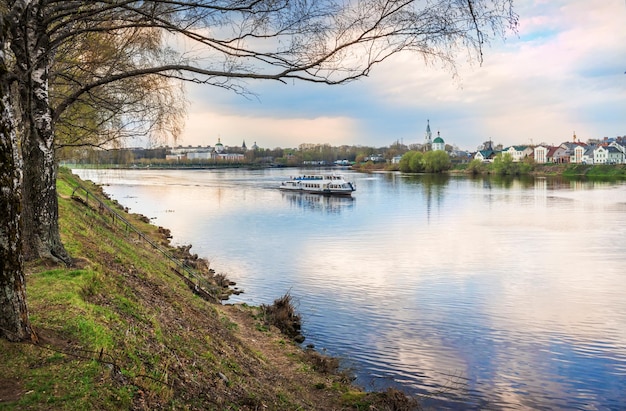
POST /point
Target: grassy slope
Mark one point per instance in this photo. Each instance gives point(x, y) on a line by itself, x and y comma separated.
point(121, 331)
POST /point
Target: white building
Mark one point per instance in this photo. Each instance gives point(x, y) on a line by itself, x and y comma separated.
point(199, 155)
point(518, 153)
point(439, 144)
point(579, 154)
point(428, 137)
point(541, 154)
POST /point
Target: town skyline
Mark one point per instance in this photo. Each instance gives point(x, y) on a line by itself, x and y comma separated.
point(246, 145)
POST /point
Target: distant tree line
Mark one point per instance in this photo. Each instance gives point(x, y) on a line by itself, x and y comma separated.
point(323, 153)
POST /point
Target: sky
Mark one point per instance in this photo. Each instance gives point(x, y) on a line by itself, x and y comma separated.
point(562, 73)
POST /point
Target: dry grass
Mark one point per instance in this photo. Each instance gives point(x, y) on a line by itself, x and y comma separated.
point(282, 314)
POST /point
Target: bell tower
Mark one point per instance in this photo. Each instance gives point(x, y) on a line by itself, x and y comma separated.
point(428, 138)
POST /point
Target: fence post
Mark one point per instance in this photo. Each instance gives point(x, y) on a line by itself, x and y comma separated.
point(186, 272)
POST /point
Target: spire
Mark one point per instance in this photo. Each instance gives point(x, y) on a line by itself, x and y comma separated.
point(428, 138)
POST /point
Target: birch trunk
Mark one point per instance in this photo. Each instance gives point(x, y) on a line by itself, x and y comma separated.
point(14, 321)
point(41, 208)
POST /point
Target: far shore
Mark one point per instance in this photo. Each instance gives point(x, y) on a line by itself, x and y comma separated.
point(570, 170)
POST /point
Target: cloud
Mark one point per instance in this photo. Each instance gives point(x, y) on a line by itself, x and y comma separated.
point(562, 72)
point(266, 131)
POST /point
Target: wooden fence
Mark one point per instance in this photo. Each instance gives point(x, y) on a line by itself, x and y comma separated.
point(197, 283)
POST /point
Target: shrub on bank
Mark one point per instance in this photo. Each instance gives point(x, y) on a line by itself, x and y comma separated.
point(476, 167)
point(282, 314)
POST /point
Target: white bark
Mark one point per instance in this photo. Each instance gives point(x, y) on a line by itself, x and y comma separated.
point(14, 321)
point(33, 56)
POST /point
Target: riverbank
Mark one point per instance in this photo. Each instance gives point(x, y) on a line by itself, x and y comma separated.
point(121, 330)
point(617, 171)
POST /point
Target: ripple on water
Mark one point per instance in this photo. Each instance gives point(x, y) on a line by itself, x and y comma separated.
point(476, 293)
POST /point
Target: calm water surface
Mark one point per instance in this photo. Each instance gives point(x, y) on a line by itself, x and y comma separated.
point(476, 294)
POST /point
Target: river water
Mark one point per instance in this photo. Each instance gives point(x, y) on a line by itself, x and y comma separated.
point(471, 293)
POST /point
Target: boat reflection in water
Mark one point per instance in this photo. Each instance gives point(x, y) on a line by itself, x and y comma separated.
point(327, 204)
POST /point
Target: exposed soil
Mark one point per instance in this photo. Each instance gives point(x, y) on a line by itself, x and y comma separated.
point(11, 389)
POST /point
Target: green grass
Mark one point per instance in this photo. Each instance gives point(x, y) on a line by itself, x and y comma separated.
point(601, 171)
point(121, 331)
point(58, 302)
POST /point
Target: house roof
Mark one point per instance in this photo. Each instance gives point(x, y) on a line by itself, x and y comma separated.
point(551, 151)
point(572, 145)
point(486, 153)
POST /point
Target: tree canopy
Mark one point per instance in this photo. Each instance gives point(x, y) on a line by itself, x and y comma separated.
point(429, 162)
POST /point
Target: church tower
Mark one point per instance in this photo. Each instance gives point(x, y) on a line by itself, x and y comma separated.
point(428, 138)
point(219, 147)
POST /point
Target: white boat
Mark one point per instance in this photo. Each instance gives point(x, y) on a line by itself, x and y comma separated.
point(329, 184)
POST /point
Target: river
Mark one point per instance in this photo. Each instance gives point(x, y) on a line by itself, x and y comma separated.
point(472, 293)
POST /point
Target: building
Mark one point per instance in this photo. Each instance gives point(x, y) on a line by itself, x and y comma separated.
point(518, 153)
point(221, 154)
point(219, 147)
point(486, 156)
point(615, 156)
point(428, 137)
point(607, 155)
point(199, 155)
point(438, 143)
point(189, 153)
point(579, 154)
point(587, 157)
point(540, 154)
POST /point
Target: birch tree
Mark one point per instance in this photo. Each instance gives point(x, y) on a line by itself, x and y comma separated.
point(223, 43)
point(14, 321)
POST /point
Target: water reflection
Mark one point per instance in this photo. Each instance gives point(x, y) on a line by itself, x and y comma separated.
point(431, 186)
point(481, 293)
point(319, 203)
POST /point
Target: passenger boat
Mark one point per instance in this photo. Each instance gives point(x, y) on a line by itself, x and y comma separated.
point(329, 184)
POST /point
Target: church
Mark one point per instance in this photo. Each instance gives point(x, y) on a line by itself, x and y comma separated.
point(438, 144)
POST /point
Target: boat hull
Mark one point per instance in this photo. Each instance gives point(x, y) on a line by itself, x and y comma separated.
point(319, 184)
